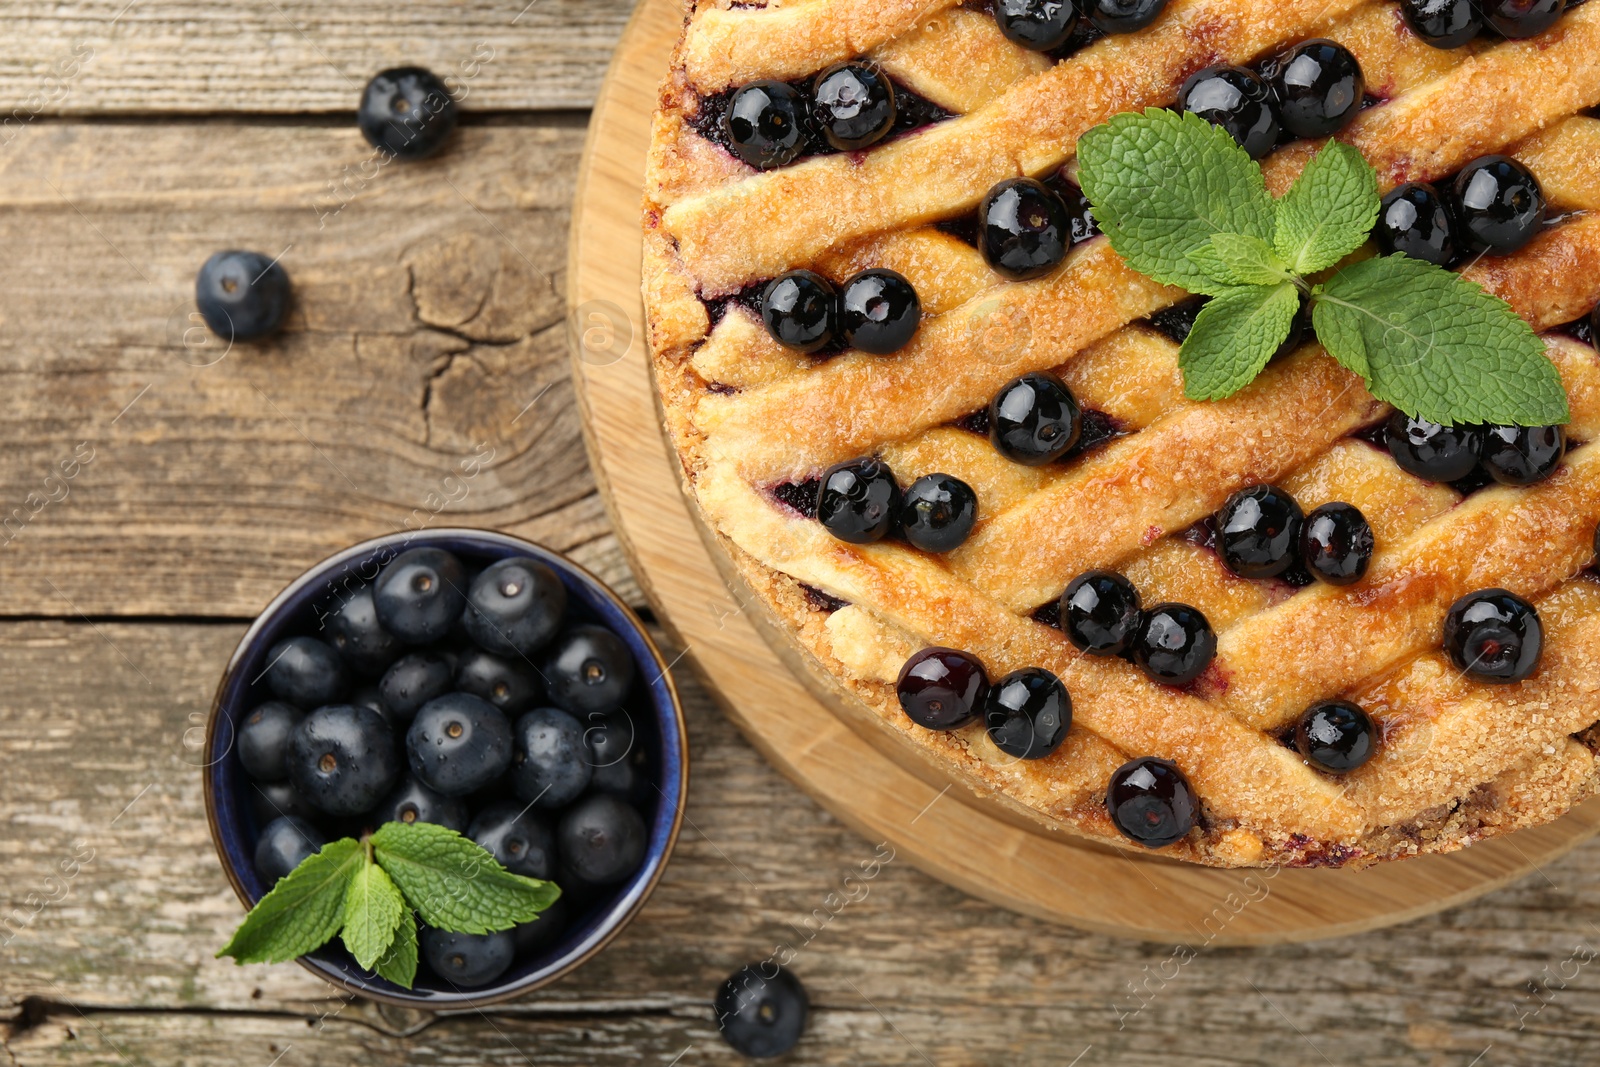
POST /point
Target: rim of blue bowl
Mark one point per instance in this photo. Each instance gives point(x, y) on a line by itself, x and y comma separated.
point(286, 614)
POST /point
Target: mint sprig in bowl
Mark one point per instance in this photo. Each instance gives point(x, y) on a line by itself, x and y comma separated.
point(351, 913)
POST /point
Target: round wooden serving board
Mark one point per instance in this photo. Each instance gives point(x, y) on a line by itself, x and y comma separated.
point(857, 772)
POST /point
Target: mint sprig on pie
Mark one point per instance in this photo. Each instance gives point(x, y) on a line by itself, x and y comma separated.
point(1182, 203)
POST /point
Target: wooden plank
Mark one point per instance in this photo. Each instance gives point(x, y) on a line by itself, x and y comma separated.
point(102, 57)
point(121, 964)
point(428, 331)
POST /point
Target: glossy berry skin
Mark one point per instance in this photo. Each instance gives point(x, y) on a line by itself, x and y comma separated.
point(285, 844)
point(1024, 230)
point(550, 763)
point(1236, 99)
point(942, 689)
point(602, 839)
point(514, 607)
point(1151, 802)
point(937, 512)
point(1517, 19)
point(1443, 23)
point(1027, 713)
point(801, 310)
point(510, 685)
point(419, 594)
point(467, 960)
point(343, 759)
point(853, 105)
point(765, 124)
point(1336, 736)
point(1100, 613)
point(1175, 644)
point(306, 672)
point(588, 668)
point(354, 630)
point(1258, 532)
point(411, 801)
point(1523, 455)
point(857, 501)
point(412, 681)
point(1039, 25)
point(761, 1010)
point(263, 740)
point(616, 754)
point(1499, 205)
point(1320, 88)
point(1034, 419)
point(879, 311)
point(241, 295)
point(1414, 221)
point(407, 112)
point(1494, 635)
point(1336, 543)
point(458, 744)
point(1428, 450)
point(1122, 16)
point(519, 840)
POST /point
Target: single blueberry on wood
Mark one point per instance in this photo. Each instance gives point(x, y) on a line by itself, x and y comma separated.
point(407, 112)
point(761, 1010)
point(241, 295)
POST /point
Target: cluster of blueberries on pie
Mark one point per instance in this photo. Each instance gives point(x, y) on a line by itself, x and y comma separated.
point(1024, 229)
point(469, 699)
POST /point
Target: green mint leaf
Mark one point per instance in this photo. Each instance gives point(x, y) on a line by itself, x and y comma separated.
point(453, 883)
point(1234, 336)
point(303, 911)
point(1329, 211)
point(1438, 346)
point(1162, 184)
point(399, 962)
point(1237, 259)
point(372, 910)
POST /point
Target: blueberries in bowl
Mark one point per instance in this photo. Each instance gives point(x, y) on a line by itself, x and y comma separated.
point(413, 680)
point(518, 839)
point(602, 839)
point(514, 607)
point(285, 844)
point(420, 594)
point(306, 673)
point(458, 743)
point(588, 669)
point(467, 960)
point(551, 765)
point(343, 759)
point(432, 740)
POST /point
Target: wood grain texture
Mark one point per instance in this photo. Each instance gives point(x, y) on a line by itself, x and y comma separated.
point(428, 329)
point(841, 752)
point(120, 965)
point(144, 57)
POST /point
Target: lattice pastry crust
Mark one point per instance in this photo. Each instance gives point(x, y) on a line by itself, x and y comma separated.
point(1458, 759)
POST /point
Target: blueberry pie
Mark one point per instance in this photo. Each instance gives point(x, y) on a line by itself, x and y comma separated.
point(940, 427)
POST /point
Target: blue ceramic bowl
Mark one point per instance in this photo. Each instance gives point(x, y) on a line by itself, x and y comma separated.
point(653, 707)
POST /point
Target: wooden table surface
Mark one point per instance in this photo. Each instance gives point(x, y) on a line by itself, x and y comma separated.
point(137, 138)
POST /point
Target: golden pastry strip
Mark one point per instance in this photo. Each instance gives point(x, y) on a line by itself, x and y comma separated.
point(959, 59)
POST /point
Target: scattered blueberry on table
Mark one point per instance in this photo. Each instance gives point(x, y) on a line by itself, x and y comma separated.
point(241, 295)
point(407, 112)
point(761, 1010)
point(464, 698)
